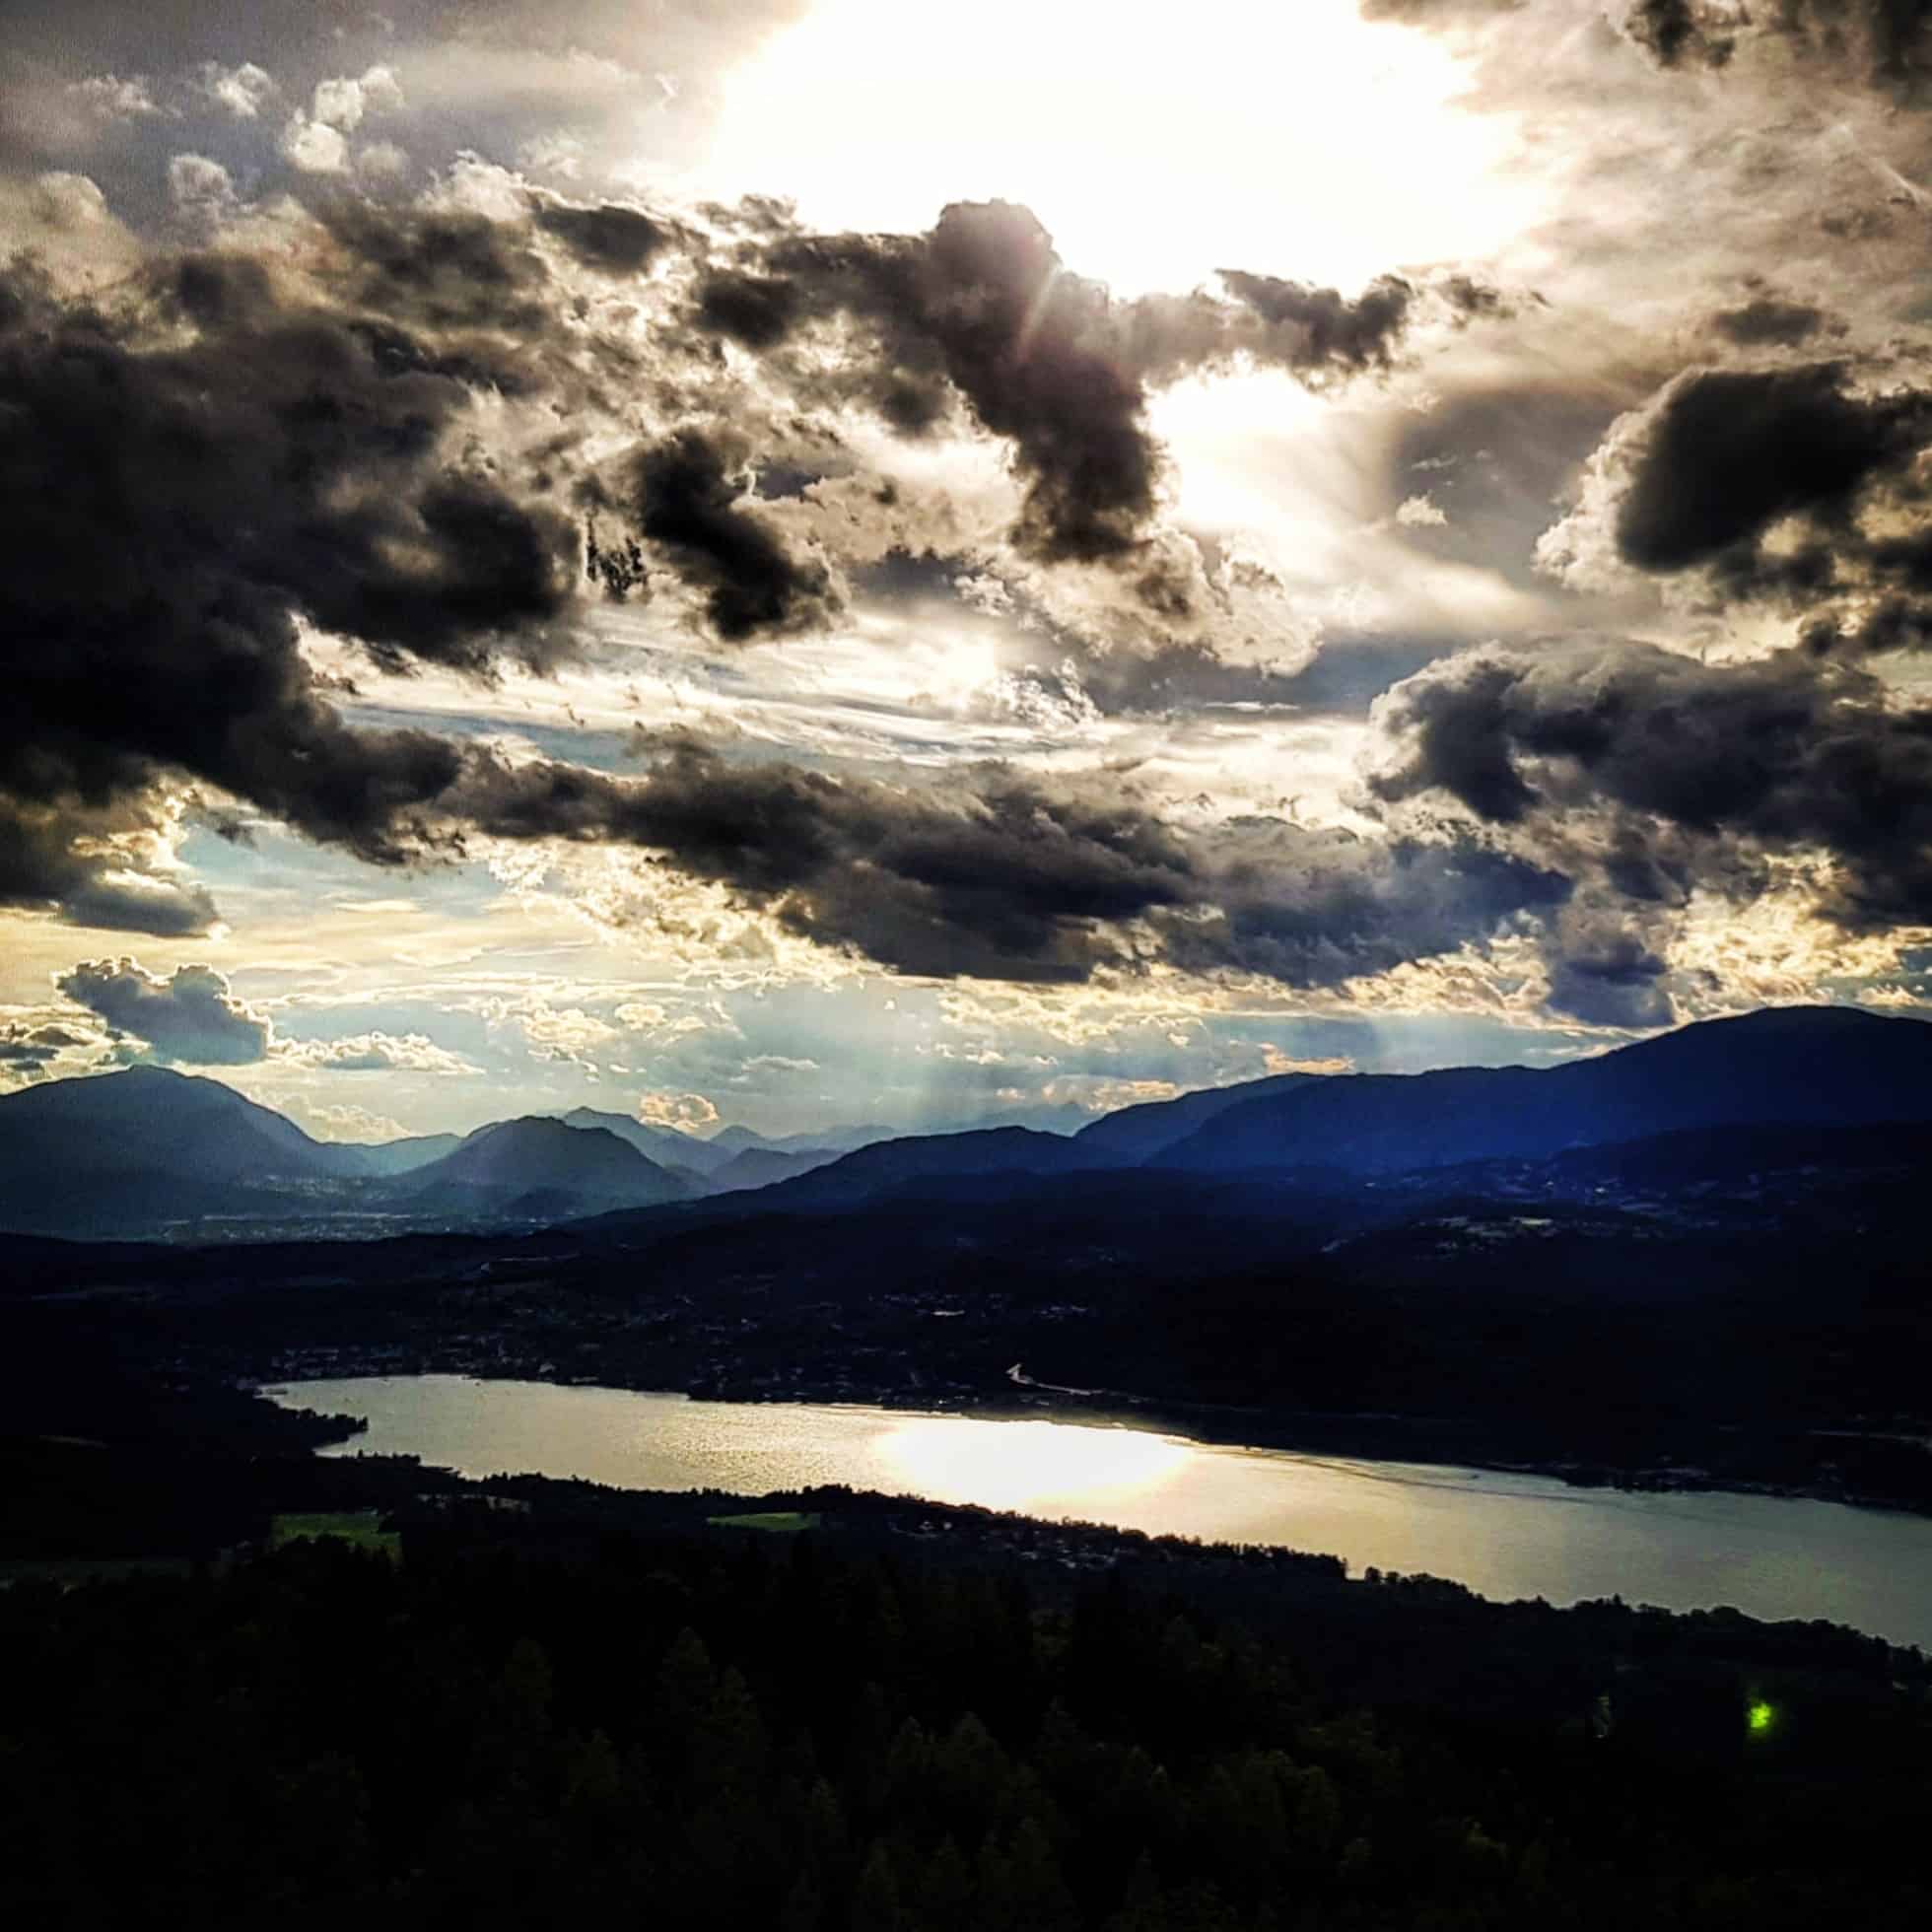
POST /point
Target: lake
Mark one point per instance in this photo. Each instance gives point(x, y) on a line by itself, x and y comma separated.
point(1505, 1536)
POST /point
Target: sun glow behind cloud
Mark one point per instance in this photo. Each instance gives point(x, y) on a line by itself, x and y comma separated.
point(1156, 144)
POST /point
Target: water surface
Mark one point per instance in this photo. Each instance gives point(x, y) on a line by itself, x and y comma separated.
point(1505, 1536)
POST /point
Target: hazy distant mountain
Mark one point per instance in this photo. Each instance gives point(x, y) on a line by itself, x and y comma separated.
point(1135, 1134)
point(665, 1145)
point(762, 1167)
point(735, 1141)
point(569, 1170)
point(147, 1150)
point(1827, 1066)
point(390, 1158)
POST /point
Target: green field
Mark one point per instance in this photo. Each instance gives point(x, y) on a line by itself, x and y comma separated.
point(361, 1527)
point(784, 1522)
point(88, 1569)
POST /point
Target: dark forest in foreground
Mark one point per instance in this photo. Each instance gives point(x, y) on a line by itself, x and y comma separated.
point(560, 1706)
point(533, 1703)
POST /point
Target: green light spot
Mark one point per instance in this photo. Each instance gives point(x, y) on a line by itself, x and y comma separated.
point(1760, 1717)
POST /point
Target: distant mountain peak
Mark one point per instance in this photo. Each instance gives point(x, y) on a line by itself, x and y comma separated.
point(537, 1154)
point(1789, 1066)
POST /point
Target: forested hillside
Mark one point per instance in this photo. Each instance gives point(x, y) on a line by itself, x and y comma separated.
point(708, 1728)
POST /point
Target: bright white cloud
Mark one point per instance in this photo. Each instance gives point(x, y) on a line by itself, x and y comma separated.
point(114, 98)
point(691, 1113)
point(375, 1052)
point(381, 160)
point(313, 146)
point(244, 91)
point(342, 102)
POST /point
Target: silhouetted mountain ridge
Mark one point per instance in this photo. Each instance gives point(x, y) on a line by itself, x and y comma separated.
point(573, 1169)
point(152, 1119)
point(149, 1151)
point(1136, 1133)
point(982, 1153)
point(1802, 1066)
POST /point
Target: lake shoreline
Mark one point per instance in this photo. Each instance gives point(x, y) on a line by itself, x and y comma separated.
point(1504, 1533)
point(1373, 1438)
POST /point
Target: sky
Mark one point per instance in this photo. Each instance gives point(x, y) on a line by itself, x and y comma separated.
point(811, 561)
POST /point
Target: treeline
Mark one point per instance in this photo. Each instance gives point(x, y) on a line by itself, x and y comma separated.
point(718, 1729)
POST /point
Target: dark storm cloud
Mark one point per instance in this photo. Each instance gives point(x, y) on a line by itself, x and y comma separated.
point(1895, 623)
point(688, 493)
point(1015, 332)
point(1887, 43)
point(1325, 329)
point(185, 477)
point(231, 450)
point(756, 311)
point(1318, 335)
point(443, 268)
point(162, 908)
point(190, 1016)
point(998, 875)
point(1766, 321)
point(618, 241)
point(1605, 971)
point(53, 857)
point(1725, 458)
point(1317, 905)
point(1730, 452)
point(1882, 43)
point(981, 304)
point(982, 307)
point(1674, 31)
point(995, 876)
point(1694, 768)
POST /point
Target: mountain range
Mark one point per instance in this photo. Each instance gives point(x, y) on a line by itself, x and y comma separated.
point(1830, 1066)
point(147, 1151)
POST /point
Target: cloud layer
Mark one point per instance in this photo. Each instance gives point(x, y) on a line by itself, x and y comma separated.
point(416, 459)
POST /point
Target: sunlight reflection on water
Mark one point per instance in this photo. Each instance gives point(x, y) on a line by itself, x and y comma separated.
point(1503, 1534)
point(1028, 1465)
